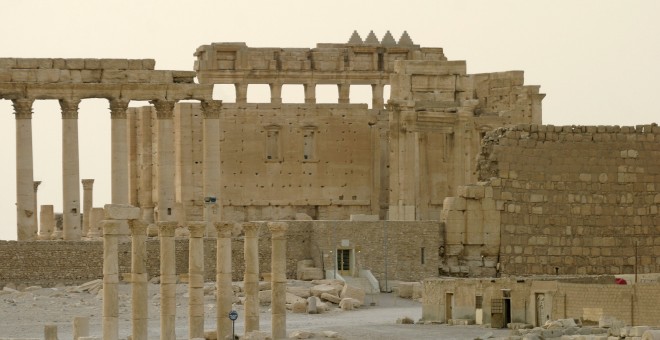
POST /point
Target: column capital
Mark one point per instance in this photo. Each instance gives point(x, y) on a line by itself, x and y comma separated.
point(197, 228)
point(111, 227)
point(118, 108)
point(278, 229)
point(138, 227)
point(164, 108)
point(88, 184)
point(23, 108)
point(69, 108)
point(166, 228)
point(36, 185)
point(251, 229)
point(224, 229)
point(211, 108)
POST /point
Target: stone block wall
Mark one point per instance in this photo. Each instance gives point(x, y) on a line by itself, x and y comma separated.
point(575, 199)
point(48, 263)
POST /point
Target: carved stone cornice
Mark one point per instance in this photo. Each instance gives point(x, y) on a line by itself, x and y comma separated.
point(23, 108)
point(278, 229)
point(211, 108)
point(164, 108)
point(118, 108)
point(69, 108)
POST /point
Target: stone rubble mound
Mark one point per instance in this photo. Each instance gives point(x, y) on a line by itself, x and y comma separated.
point(608, 328)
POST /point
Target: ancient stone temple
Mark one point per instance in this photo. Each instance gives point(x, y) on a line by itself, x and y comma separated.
point(214, 161)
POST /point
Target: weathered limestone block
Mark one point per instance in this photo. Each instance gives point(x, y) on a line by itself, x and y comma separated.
point(349, 304)
point(302, 292)
point(330, 297)
point(406, 290)
point(121, 212)
point(50, 332)
point(310, 273)
point(301, 335)
point(311, 305)
point(299, 307)
point(324, 288)
point(651, 335)
point(353, 292)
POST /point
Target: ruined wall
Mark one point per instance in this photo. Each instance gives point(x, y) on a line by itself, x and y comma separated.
point(576, 199)
point(72, 262)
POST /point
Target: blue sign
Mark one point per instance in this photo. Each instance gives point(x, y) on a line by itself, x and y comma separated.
point(233, 315)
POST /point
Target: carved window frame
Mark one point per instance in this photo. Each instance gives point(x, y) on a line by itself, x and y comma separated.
point(310, 144)
point(273, 144)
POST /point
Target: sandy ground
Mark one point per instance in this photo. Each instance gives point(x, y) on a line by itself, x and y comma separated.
point(24, 314)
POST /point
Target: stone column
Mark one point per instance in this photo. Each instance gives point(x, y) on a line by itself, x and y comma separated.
point(139, 293)
point(46, 222)
point(251, 276)
point(34, 216)
point(80, 327)
point(344, 93)
point(88, 203)
point(167, 280)
point(278, 279)
point(165, 167)
point(212, 210)
point(119, 151)
point(275, 93)
point(25, 200)
point(310, 93)
point(70, 169)
point(145, 197)
point(223, 279)
point(110, 279)
point(241, 93)
point(196, 279)
point(95, 218)
point(377, 100)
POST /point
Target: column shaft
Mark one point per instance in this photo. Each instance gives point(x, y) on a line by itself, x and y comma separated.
point(139, 293)
point(110, 280)
point(119, 151)
point(251, 276)
point(145, 197)
point(212, 210)
point(310, 93)
point(278, 279)
point(34, 216)
point(25, 196)
point(70, 170)
point(167, 281)
point(241, 92)
point(276, 93)
point(377, 100)
point(223, 279)
point(46, 222)
point(166, 166)
point(196, 280)
point(88, 202)
point(344, 93)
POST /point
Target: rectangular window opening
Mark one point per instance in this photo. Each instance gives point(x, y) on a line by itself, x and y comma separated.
point(422, 253)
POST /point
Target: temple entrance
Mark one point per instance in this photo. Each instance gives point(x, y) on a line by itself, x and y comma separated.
point(344, 262)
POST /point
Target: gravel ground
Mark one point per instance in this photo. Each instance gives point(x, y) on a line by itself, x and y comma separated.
point(24, 314)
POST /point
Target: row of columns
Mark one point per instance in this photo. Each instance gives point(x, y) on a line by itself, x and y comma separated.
point(196, 279)
point(310, 93)
point(26, 188)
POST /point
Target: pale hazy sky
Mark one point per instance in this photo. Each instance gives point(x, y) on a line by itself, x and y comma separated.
point(598, 61)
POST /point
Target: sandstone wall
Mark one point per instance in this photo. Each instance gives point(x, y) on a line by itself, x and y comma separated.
point(72, 262)
point(576, 199)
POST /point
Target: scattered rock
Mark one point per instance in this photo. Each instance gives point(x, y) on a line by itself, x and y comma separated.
point(265, 297)
point(257, 335)
point(349, 304)
point(300, 335)
point(353, 292)
point(302, 292)
point(299, 307)
point(211, 335)
point(155, 280)
point(405, 321)
point(264, 285)
point(330, 297)
point(324, 288)
point(330, 334)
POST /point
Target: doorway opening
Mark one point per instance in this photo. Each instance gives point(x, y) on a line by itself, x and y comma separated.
point(344, 259)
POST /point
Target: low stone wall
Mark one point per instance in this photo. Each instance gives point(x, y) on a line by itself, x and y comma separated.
point(47, 263)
